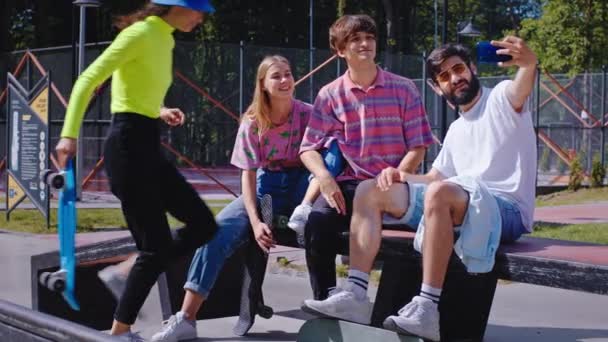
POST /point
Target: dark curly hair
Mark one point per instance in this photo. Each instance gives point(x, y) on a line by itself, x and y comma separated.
point(440, 54)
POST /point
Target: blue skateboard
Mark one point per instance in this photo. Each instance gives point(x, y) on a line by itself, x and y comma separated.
point(64, 279)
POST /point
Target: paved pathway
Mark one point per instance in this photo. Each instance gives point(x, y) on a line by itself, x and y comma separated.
point(520, 312)
point(573, 214)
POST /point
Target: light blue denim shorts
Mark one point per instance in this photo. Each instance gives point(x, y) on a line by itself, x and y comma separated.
point(512, 225)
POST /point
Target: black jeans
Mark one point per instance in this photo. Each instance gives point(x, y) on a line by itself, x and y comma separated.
point(322, 233)
point(148, 187)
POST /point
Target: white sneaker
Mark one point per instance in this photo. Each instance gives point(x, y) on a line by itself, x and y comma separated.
point(131, 337)
point(176, 328)
point(420, 317)
point(342, 305)
point(113, 280)
point(299, 217)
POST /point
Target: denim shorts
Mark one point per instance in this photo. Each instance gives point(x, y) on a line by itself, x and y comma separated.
point(415, 209)
point(512, 225)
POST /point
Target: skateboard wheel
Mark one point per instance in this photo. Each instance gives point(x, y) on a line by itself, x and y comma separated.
point(282, 222)
point(53, 179)
point(265, 311)
point(52, 281)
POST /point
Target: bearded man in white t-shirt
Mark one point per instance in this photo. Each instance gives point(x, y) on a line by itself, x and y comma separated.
point(493, 141)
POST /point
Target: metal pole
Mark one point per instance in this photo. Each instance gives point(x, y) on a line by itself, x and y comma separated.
point(603, 128)
point(311, 50)
point(537, 124)
point(241, 109)
point(444, 39)
point(74, 48)
point(241, 91)
point(436, 34)
point(436, 38)
point(28, 70)
point(337, 67)
point(81, 52)
point(423, 86)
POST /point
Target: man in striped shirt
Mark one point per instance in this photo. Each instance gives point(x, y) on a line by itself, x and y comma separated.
point(378, 120)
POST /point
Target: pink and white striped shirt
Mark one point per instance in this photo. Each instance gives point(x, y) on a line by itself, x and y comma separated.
point(374, 128)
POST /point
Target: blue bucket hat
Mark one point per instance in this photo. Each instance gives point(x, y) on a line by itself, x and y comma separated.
point(197, 5)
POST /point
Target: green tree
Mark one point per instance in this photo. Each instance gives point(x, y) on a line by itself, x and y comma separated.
point(22, 29)
point(570, 36)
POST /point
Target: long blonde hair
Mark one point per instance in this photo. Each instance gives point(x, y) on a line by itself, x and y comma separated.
point(259, 109)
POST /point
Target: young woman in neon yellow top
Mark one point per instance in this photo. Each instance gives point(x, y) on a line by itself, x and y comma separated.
point(148, 186)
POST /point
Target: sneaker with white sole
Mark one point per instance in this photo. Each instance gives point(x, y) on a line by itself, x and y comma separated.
point(113, 280)
point(299, 217)
point(176, 328)
point(130, 336)
point(420, 317)
point(341, 305)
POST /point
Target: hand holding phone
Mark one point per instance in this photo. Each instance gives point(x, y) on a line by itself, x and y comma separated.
point(486, 53)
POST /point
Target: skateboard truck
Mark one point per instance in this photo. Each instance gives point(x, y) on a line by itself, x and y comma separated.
point(54, 281)
point(55, 180)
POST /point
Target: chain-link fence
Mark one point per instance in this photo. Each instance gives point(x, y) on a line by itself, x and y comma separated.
point(213, 84)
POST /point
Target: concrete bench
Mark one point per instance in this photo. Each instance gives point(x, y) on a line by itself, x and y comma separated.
point(97, 305)
point(466, 299)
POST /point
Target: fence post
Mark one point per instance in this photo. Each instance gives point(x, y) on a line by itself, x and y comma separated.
point(423, 89)
point(537, 121)
point(311, 49)
point(337, 68)
point(603, 121)
point(241, 61)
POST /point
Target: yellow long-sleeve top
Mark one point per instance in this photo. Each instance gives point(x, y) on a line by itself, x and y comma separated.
point(140, 61)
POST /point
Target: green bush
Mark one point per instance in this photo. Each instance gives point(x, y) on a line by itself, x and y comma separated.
point(576, 174)
point(598, 172)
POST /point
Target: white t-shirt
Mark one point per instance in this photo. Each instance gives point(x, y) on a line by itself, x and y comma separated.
point(497, 145)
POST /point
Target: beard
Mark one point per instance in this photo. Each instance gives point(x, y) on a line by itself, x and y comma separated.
point(467, 94)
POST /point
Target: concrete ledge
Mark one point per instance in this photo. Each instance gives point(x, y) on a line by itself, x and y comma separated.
point(24, 325)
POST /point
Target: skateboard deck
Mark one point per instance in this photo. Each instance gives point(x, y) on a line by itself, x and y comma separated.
point(67, 231)
point(252, 299)
point(64, 279)
point(333, 330)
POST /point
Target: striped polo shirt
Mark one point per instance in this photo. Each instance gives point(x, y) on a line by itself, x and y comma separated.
point(374, 128)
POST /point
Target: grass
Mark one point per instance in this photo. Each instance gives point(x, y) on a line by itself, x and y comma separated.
point(591, 232)
point(573, 197)
point(32, 221)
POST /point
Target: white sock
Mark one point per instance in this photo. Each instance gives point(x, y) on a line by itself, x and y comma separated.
point(431, 293)
point(358, 283)
point(186, 316)
point(306, 203)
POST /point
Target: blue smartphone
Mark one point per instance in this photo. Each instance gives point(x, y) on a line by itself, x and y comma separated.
point(486, 53)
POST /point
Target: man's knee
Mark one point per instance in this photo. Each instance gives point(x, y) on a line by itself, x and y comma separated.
point(441, 195)
point(394, 201)
point(437, 194)
point(368, 195)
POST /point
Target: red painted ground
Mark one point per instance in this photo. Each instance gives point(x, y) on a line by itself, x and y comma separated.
point(583, 213)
